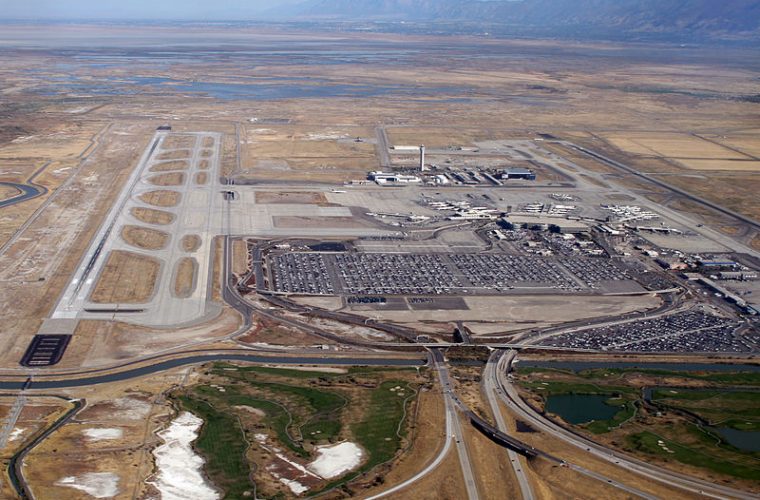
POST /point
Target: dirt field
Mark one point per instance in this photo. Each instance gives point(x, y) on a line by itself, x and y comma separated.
point(127, 278)
point(191, 243)
point(436, 138)
point(178, 142)
point(113, 435)
point(528, 311)
point(178, 154)
point(161, 198)
point(681, 146)
point(150, 216)
point(145, 238)
point(172, 179)
point(239, 257)
point(311, 151)
point(7, 192)
point(734, 165)
point(184, 279)
point(748, 143)
point(737, 191)
point(169, 166)
point(201, 178)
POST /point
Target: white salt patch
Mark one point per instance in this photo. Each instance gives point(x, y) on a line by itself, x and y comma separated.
point(95, 484)
point(131, 408)
point(294, 485)
point(16, 434)
point(332, 461)
point(102, 434)
point(328, 136)
point(251, 409)
point(179, 467)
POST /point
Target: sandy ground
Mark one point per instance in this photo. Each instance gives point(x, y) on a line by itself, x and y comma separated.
point(127, 278)
point(337, 459)
point(179, 468)
point(95, 484)
point(537, 310)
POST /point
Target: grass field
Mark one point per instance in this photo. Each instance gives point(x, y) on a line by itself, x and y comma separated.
point(734, 409)
point(679, 422)
point(222, 443)
point(300, 409)
point(694, 447)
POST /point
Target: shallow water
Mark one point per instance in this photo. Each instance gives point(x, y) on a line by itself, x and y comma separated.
point(580, 408)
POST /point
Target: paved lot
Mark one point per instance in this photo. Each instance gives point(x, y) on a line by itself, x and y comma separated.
point(438, 274)
point(691, 331)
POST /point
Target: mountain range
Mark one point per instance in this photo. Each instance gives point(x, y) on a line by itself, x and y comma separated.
point(663, 18)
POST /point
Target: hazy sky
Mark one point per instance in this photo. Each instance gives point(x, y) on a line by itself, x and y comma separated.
point(137, 9)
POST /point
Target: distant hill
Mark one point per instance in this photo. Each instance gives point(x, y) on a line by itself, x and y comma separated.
point(663, 18)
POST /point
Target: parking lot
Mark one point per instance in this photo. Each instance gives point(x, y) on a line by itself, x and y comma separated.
point(692, 331)
point(436, 273)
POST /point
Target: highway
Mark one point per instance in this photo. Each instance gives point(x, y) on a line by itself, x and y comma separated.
point(514, 402)
point(438, 363)
point(489, 388)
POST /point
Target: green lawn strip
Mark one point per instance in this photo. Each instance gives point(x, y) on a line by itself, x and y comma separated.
point(706, 455)
point(277, 417)
point(739, 425)
point(225, 369)
point(728, 408)
point(740, 378)
point(701, 395)
point(524, 370)
point(378, 433)
point(628, 411)
point(323, 410)
point(221, 368)
point(557, 388)
point(222, 443)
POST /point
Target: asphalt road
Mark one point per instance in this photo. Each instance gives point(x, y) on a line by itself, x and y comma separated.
point(451, 402)
point(490, 388)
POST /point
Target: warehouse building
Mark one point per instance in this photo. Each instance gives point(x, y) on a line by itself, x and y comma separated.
point(518, 173)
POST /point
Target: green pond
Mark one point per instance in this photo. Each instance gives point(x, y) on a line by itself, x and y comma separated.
point(581, 408)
